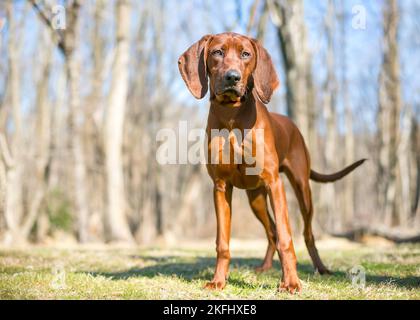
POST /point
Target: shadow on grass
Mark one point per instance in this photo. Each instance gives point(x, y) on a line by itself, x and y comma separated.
point(201, 268)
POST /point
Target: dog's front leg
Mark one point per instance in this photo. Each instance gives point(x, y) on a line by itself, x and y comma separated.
point(277, 195)
point(222, 203)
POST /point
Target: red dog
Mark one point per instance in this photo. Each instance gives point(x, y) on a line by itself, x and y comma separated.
point(242, 80)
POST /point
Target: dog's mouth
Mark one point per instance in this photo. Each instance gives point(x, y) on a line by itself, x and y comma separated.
point(230, 96)
point(232, 91)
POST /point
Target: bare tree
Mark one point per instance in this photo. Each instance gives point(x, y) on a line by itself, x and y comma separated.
point(348, 193)
point(258, 17)
point(329, 111)
point(288, 17)
point(14, 166)
point(115, 210)
point(71, 42)
point(43, 140)
point(67, 43)
point(415, 164)
point(404, 169)
point(389, 116)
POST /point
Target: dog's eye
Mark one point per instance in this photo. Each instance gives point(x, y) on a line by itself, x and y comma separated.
point(245, 54)
point(217, 53)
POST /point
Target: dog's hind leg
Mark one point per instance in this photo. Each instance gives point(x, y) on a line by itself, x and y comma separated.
point(300, 184)
point(258, 202)
point(306, 208)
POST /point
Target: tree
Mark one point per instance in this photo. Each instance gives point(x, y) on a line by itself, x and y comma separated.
point(67, 43)
point(115, 210)
point(288, 17)
point(389, 117)
point(13, 158)
point(348, 193)
point(330, 103)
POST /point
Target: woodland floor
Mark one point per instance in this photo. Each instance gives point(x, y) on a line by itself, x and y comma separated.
point(180, 272)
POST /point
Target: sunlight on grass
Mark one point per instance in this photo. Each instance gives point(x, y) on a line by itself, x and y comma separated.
point(392, 273)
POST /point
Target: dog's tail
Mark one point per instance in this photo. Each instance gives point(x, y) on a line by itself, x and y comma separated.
point(324, 178)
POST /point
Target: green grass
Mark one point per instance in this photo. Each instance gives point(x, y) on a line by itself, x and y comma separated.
point(158, 273)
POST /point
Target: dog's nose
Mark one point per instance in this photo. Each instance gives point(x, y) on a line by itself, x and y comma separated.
point(232, 77)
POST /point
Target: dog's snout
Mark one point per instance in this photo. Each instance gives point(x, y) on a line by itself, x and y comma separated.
point(232, 77)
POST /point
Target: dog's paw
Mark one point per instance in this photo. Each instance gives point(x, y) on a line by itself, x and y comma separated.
point(263, 268)
point(215, 285)
point(323, 271)
point(292, 286)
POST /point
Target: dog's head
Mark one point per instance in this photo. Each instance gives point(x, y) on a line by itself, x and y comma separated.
point(234, 64)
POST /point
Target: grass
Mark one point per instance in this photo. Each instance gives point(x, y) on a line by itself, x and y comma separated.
point(180, 273)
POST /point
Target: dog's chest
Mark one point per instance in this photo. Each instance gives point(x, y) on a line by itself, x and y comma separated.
point(237, 155)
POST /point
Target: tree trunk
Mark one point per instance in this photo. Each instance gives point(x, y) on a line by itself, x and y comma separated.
point(43, 140)
point(348, 193)
point(6, 165)
point(115, 211)
point(415, 164)
point(404, 170)
point(288, 17)
point(330, 100)
point(76, 121)
point(388, 117)
point(79, 165)
point(101, 66)
point(14, 198)
point(2, 194)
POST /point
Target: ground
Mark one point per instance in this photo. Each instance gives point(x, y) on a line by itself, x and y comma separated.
point(180, 272)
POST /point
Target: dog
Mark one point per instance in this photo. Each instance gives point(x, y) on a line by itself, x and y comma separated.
point(242, 78)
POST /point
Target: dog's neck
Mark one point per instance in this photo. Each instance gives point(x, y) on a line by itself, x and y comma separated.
point(241, 117)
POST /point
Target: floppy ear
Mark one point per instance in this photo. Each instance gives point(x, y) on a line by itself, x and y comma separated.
point(265, 76)
point(193, 68)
